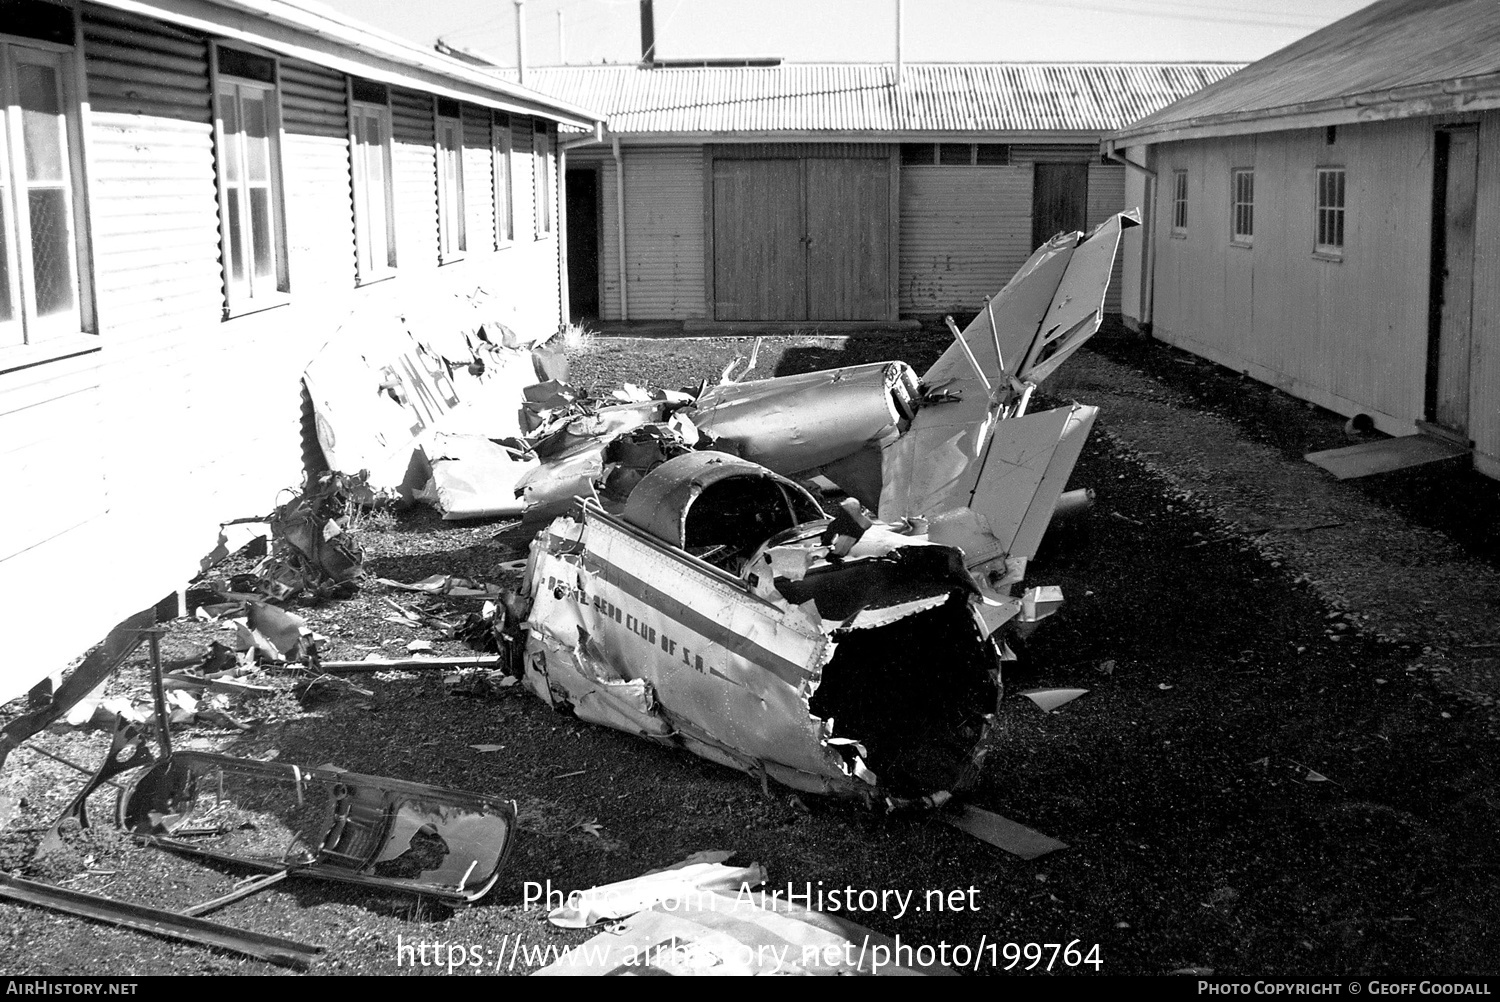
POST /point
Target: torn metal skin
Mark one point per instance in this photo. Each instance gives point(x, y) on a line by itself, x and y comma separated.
point(322, 822)
point(715, 605)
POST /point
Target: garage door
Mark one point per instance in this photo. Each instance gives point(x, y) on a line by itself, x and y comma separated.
point(802, 238)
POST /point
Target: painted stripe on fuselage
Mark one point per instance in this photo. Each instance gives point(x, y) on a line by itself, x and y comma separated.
point(715, 632)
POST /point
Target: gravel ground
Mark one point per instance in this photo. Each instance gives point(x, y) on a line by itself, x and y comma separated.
point(1264, 778)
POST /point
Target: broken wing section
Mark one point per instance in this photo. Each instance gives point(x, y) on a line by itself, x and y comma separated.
point(1052, 304)
point(1077, 307)
point(1020, 478)
point(973, 460)
point(409, 407)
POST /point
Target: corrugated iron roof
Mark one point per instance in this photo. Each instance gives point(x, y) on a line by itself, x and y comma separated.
point(1392, 45)
point(863, 97)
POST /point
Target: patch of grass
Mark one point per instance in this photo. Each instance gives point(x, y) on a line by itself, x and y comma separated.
point(577, 337)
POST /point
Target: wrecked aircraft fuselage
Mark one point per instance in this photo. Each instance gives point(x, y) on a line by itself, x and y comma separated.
point(699, 595)
point(712, 613)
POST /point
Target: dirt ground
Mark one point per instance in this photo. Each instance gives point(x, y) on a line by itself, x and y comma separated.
point(1270, 773)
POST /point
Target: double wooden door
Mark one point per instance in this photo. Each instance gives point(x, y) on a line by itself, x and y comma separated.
point(802, 238)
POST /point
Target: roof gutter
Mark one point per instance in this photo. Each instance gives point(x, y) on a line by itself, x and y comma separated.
point(293, 31)
point(1116, 158)
point(1441, 97)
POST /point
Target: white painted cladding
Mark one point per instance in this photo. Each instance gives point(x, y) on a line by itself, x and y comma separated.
point(963, 232)
point(130, 456)
point(1349, 334)
point(1484, 386)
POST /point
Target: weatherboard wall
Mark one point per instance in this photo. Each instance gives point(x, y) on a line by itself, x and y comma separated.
point(1484, 387)
point(1349, 332)
point(172, 419)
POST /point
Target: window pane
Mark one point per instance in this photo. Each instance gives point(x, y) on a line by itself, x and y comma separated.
point(7, 308)
point(916, 154)
point(236, 238)
point(42, 128)
point(51, 251)
point(229, 109)
point(991, 153)
point(502, 196)
point(257, 146)
point(953, 154)
point(260, 232)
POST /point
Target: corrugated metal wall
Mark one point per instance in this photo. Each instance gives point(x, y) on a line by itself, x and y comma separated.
point(315, 152)
point(1349, 334)
point(1054, 153)
point(964, 232)
point(1106, 197)
point(1484, 385)
point(663, 234)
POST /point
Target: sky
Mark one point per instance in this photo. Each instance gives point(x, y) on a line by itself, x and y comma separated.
point(594, 31)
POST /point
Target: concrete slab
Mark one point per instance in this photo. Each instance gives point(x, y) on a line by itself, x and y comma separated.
point(1385, 455)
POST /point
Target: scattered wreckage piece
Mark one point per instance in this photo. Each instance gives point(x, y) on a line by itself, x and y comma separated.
point(273, 949)
point(1001, 832)
point(706, 600)
point(709, 919)
point(833, 422)
point(422, 400)
point(407, 664)
point(127, 750)
point(121, 642)
point(742, 934)
point(324, 823)
point(679, 882)
point(310, 553)
point(245, 888)
point(1048, 700)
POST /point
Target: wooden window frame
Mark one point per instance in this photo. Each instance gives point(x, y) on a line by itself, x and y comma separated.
point(502, 145)
point(452, 246)
point(1179, 203)
point(27, 337)
point(242, 297)
point(1242, 207)
point(370, 264)
point(1330, 216)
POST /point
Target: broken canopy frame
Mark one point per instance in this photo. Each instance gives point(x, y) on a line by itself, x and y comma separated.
point(722, 611)
point(347, 826)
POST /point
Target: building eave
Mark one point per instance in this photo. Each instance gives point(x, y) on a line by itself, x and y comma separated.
point(1059, 136)
point(1443, 97)
point(295, 31)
